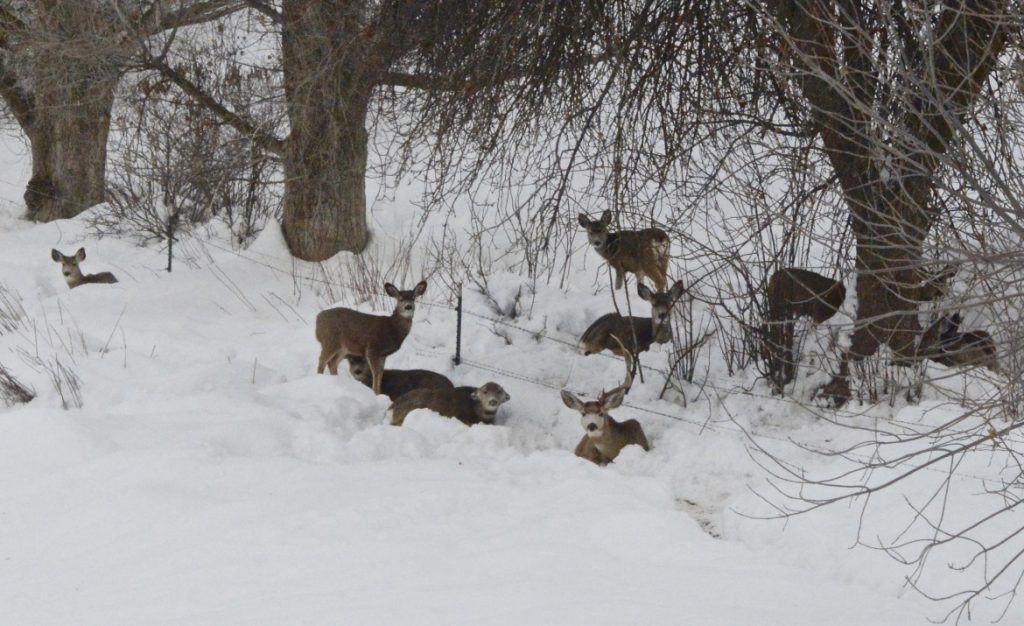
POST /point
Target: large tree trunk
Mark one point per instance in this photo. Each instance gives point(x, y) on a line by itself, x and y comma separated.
point(328, 94)
point(891, 214)
point(68, 133)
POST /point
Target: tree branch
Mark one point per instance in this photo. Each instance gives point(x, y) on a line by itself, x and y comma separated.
point(265, 140)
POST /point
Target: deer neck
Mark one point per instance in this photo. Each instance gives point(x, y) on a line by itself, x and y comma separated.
point(609, 442)
point(401, 323)
point(663, 334)
point(611, 246)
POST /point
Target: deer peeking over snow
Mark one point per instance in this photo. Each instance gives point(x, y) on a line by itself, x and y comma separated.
point(73, 273)
point(397, 383)
point(604, 437)
point(642, 252)
point(343, 332)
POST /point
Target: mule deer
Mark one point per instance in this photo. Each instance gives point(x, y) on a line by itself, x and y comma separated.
point(943, 343)
point(604, 437)
point(397, 383)
point(469, 405)
point(793, 293)
point(73, 273)
point(629, 335)
point(642, 252)
point(343, 332)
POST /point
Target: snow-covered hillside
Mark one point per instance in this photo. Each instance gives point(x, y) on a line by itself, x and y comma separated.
point(210, 476)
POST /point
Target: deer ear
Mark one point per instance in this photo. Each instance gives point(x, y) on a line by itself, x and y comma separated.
point(644, 291)
point(55, 255)
point(475, 396)
point(614, 399)
point(80, 255)
point(583, 220)
point(391, 290)
point(504, 396)
point(419, 288)
point(677, 290)
point(571, 401)
point(606, 218)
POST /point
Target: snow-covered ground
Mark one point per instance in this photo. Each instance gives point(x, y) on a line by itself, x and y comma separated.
point(210, 476)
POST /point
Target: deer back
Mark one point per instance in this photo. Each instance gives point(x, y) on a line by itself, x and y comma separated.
point(355, 332)
point(637, 251)
point(599, 336)
point(397, 383)
point(793, 292)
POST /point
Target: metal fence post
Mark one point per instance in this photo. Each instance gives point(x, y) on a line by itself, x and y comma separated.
point(458, 328)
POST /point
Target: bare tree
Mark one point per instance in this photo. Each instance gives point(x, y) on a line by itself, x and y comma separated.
point(336, 58)
point(60, 66)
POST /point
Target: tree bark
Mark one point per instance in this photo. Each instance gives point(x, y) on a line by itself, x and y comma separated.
point(891, 215)
point(68, 132)
point(328, 85)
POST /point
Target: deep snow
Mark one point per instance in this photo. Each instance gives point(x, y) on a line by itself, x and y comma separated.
point(212, 477)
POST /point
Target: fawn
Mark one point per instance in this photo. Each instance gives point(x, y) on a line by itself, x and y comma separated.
point(397, 383)
point(73, 273)
point(943, 343)
point(632, 335)
point(469, 405)
point(604, 437)
point(642, 252)
point(343, 332)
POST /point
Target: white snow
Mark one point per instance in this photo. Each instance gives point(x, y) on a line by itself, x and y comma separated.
point(210, 476)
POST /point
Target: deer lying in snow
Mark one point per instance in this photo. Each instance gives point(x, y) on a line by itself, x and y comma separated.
point(642, 252)
point(343, 332)
point(629, 335)
point(943, 343)
point(469, 405)
point(397, 383)
point(604, 437)
point(73, 273)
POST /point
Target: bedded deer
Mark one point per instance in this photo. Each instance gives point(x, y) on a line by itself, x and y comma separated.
point(642, 252)
point(396, 383)
point(630, 335)
point(73, 273)
point(603, 436)
point(343, 332)
point(469, 405)
point(943, 343)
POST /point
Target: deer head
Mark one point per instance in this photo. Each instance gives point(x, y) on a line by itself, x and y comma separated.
point(661, 308)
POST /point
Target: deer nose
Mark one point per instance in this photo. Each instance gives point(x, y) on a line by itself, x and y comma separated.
point(591, 427)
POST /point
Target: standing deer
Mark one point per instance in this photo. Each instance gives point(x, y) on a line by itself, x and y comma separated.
point(642, 252)
point(604, 437)
point(793, 293)
point(629, 335)
point(343, 332)
point(469, 405)
point(397, 383)
point(73, 273)
point(943, 343)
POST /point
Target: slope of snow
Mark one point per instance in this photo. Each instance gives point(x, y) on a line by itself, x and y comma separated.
point(210, 476)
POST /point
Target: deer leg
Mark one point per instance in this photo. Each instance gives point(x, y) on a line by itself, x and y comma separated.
point(376, 363)
point(619, 278)
point(325, 360)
